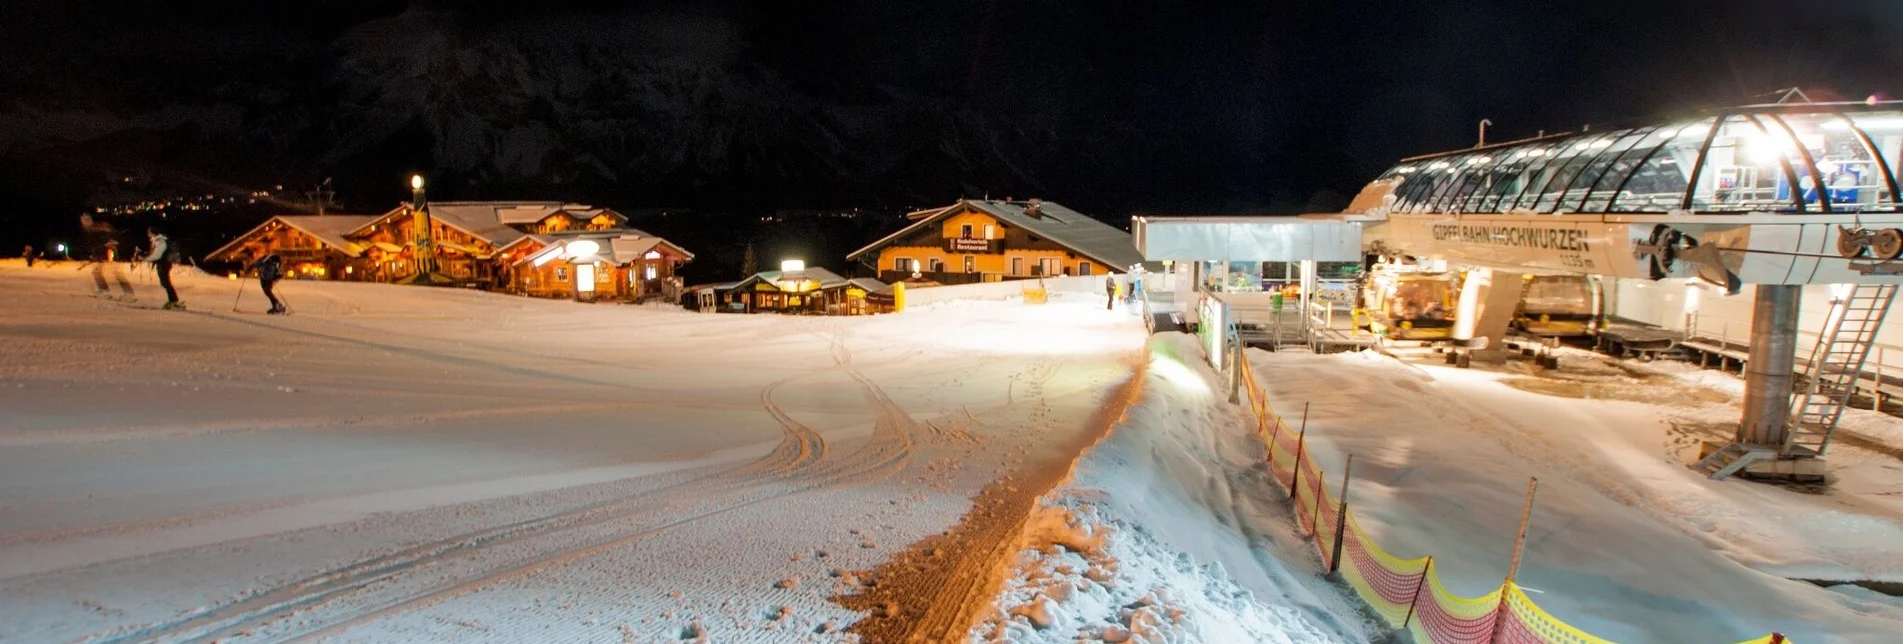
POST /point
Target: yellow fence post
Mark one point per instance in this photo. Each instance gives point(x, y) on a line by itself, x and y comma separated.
point(898, 297)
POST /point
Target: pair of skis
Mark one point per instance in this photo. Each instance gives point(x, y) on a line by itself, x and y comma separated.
point(240, 296)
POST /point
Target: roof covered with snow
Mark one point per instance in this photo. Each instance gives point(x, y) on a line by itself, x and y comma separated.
point(329, 229)
point(1107, 244)
point(619, 246)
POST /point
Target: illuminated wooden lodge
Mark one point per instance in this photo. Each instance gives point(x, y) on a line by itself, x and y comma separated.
point(796, 290)
point(619, 264)
point(977, 240)
point(485, 244)
point(312, 247)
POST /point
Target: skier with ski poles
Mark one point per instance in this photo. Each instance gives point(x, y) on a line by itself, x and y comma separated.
point(162, 257)
point(270, 269)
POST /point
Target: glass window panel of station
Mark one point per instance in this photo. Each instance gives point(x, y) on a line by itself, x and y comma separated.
point(1475, 171)
point(1541, 170)
point(1445, 172)
point(1421, 182)
point(1569, 163)
point(1497, 170)
point(1468, 168)
point(1633, 150)
point(1851, 178)
point(1885, 130)
point(1515, 168)
point(1658, 185)
point(1574, 194)
point(1744, 169)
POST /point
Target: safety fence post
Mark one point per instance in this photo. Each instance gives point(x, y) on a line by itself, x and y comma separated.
point(1418, 587)
point(1301, 442)
point(1341, 514)
point(1513, 568)
point(1519, 542)
point(1315, 514)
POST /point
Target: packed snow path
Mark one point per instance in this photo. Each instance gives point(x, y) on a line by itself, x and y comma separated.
point(397, 463)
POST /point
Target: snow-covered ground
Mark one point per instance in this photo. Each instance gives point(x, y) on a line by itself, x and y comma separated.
point(1625, 542)
point(394, 463)
point(1170, 530)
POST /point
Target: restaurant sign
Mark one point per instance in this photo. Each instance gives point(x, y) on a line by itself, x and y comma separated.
point(969, 245)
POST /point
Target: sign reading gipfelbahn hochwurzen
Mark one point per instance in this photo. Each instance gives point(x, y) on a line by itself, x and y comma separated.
point(1515, 236)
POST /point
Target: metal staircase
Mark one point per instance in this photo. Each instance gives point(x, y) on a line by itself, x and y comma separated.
point(1836, 365)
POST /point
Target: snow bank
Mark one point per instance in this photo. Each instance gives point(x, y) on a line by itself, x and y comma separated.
point(1625, 542)
point(1170, 531)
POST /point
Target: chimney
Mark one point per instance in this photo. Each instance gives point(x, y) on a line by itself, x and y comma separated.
point(1034, 208)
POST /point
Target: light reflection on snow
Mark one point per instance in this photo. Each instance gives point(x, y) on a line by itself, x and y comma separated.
point(1176, 373)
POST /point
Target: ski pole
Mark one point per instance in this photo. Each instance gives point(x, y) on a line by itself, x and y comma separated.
point(240, 296)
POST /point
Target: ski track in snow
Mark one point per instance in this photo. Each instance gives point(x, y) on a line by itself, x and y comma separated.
point(941, 426)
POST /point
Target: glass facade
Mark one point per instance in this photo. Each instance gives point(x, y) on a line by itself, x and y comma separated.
point(1803, 158)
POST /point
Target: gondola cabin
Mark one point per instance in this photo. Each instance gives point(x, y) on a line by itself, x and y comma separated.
point(1560, 306)
point(1407, 304)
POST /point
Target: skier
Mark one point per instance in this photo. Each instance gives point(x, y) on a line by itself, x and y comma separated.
point(28, 254)
point(1110, 292)
point(270, 269)
point(162, 257)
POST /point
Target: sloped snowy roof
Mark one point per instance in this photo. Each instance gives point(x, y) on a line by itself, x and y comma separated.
point(870, 285)
point(329, 229)
point(494, 221)
point(612, 246)
point(477, 218)
point(1107, 244)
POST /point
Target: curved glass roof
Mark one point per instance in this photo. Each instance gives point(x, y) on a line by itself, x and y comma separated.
point(1800, 158)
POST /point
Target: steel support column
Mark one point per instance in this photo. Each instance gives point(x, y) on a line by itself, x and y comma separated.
point(1773, 358)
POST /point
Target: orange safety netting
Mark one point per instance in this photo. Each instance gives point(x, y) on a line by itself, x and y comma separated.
point(1406, 593)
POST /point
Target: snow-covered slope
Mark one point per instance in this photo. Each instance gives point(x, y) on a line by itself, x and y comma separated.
point(409, 464)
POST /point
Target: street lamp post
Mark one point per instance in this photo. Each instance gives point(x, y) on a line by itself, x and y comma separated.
point(421, 245)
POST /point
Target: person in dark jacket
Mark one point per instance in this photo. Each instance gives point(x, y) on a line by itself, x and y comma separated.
point(270, 269)
point(1110, 292)
point(162, 257)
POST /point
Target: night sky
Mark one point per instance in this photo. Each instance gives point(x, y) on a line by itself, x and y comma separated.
point(733, 109)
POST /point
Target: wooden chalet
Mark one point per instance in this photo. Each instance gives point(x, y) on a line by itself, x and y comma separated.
point(619, 264)
point(990, 240)
point(487, 244)
point(312, 247)
point(809, 291)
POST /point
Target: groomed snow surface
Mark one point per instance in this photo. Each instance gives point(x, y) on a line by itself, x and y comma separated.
point(1625, 541)
point(410, 464)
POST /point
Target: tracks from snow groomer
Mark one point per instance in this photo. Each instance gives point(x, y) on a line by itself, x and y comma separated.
point(336, 599)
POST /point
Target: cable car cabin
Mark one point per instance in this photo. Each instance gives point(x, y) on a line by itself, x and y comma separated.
point(1559, 306)
point(1410, 305)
